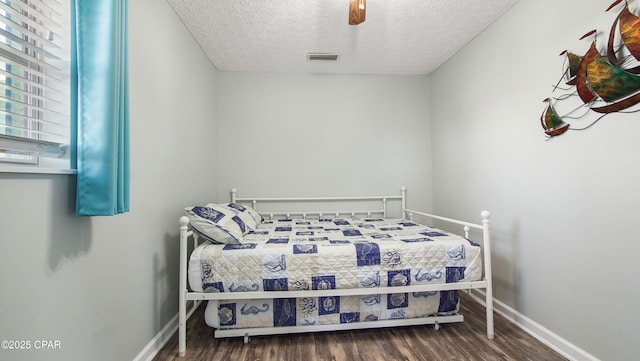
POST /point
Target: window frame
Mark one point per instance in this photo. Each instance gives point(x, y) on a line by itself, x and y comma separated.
point(35, 36)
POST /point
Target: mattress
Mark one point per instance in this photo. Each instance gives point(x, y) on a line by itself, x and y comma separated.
point(340, 253)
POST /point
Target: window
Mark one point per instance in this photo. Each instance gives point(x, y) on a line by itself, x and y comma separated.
point(34, 83)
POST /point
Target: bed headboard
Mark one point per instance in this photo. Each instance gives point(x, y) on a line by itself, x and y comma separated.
point(318, 207)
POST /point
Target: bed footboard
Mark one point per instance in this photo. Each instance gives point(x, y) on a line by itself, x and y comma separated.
point(486, 248)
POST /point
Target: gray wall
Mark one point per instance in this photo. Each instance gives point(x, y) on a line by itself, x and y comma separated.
point(324, 134)
point(564, 211)
point(105, 286)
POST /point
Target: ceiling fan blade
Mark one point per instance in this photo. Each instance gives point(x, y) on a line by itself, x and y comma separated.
point(357, 11)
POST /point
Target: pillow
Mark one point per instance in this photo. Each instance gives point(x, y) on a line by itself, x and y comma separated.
point(249, 216)
point(216, 224)
point(254, 214)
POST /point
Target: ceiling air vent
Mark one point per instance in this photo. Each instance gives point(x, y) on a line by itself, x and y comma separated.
point(322, 57)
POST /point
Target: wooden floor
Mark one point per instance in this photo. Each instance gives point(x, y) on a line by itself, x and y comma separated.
point(457, 341)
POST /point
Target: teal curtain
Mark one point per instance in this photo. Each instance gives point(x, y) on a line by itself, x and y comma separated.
point(100, 106)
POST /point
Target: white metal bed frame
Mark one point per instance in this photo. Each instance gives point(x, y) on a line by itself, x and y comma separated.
point(186, 295)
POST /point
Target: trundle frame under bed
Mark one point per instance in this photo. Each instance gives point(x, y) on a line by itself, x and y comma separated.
point(185, 294)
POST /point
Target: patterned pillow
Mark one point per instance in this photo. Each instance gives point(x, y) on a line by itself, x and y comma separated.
point(216, 224)
point(249, 216)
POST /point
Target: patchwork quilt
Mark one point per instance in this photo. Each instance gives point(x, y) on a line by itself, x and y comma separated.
point(324, 254)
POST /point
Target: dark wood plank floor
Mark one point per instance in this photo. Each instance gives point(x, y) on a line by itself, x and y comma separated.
point(458, 341)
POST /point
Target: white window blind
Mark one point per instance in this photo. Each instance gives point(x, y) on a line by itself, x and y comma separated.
point(34, 81)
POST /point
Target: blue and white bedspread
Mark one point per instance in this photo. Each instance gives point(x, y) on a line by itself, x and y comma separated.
point(331, 254)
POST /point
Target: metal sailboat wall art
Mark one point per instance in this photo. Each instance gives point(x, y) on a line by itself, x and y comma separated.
point(598, 84)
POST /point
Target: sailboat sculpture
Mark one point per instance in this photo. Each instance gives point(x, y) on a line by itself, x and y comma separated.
point(551, 122)
point(602, 83)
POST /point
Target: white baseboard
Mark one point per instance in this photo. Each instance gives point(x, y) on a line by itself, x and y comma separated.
point(157, 343)
point(542, 334)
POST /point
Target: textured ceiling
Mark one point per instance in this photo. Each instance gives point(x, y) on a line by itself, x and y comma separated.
point(398, 36)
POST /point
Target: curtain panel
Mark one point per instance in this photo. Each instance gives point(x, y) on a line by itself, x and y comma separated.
point(100, 106)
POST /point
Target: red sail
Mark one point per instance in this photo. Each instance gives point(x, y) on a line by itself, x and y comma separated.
point(611, 52)
point(581, 76)
point(630, 32)
point(629, 25)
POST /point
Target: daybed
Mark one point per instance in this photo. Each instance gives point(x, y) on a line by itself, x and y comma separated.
point(291, 271)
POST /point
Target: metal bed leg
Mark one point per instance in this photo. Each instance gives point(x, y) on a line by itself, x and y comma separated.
point(487, 273)
point(182, 292)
